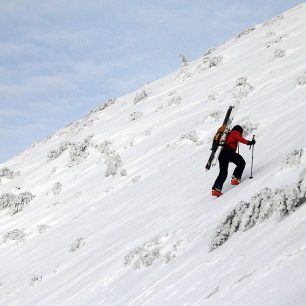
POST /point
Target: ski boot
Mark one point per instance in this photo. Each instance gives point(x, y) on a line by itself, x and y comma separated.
point(216, 192)
point(235, 181)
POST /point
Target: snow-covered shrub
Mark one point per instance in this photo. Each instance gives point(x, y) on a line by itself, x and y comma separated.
point(79, 151)
point(136, 179)
point(113, 163)
point(175, 101)
point(140, 96)
point(263, 205)
point(14, 202)
point(242, 88)
point(216, 116)
point(103, 106)
point(135, 115)
point(159, 107)
point(274, 20)
point(35, 280)
point(184, 68)
point(7, 199)
point(279, 53)
point(249, 127)
point(215, 61)
point(8, 173)
point(123, 172)
point(301, 81)
point(77, 244)
point(65, 145)
point(16, 235)
point(57, 188)
point(208, 52)
point(105, 146)
point(161, 248)
point(275, 40)
point(42, 228)
point(245, 32)
point(53, 154)
point(271, 34)
point(192, 136)
point(292, 159)
point(211, 98)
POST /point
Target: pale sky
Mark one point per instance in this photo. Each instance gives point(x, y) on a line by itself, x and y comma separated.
point(61, 58)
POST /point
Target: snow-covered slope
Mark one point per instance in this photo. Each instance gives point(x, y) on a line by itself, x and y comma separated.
point(122, 212)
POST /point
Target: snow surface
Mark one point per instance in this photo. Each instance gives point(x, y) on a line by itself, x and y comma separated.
point(122, 213)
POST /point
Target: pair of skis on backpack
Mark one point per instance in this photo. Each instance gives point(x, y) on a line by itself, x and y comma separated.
point(220, 136)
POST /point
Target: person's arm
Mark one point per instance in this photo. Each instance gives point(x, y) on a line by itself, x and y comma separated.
point(239, 138)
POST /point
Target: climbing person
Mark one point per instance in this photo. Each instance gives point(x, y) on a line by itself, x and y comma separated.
point(228, 155)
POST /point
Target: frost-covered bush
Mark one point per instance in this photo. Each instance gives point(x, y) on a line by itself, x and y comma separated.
point(184, 68)
point(274, 20)
point(53, 154)
point(8, 173)
point(279, 53)
point(208, 52)
point(77, 244)
point(245, 32)
point(301, 81)
point(192, 136)
point(15, 203)
point(275, 40)
point(216, 116)
point(42, 228)
point(16, 235)
point(161, 248)
point(209, 62)
point(249, 127)
point(57, 188)
point(242, 88)
point(135, 115)
point(104, 106)
point(292, 159)
point(123, 172)
point(65, 145)
point(215, 61)
point(79, 151)
point(113, 163)
point(35, 280)
point(175, 101)
point(263, 205)
point(105, 146)
point(140, 96)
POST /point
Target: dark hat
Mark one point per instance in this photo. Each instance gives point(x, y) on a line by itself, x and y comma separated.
point(238, 128)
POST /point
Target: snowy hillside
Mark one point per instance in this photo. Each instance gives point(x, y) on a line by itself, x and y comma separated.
point(115, 209)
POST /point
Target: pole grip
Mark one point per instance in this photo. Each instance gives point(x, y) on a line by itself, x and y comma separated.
point(251, 145)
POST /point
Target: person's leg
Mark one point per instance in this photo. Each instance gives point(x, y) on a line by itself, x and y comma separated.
point(223, 165)
point(240, 165)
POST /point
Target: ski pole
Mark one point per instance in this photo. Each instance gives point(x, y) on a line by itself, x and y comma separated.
point(252, 158)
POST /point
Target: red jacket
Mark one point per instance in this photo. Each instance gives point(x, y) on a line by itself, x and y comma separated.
point(232, 140)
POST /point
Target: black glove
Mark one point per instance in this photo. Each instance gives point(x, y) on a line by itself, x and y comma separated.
point(252, 142)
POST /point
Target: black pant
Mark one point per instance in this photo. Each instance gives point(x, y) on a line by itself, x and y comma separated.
point(229, 156)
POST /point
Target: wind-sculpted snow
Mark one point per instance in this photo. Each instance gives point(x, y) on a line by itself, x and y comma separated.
point(15, 203)
point(263, 205)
